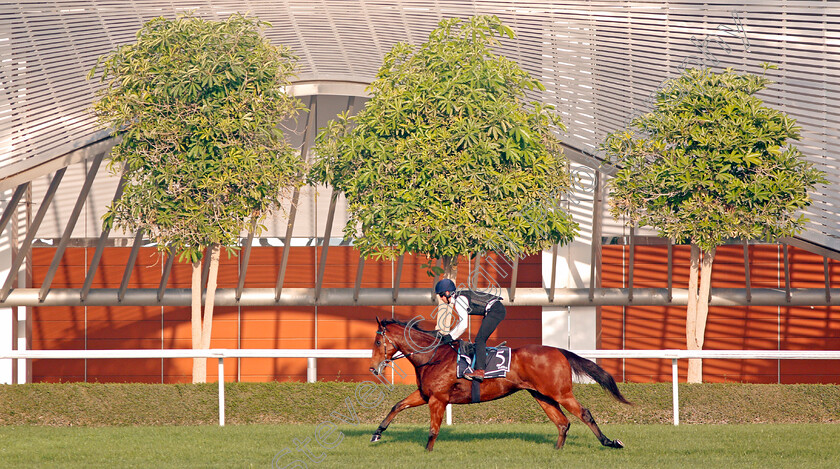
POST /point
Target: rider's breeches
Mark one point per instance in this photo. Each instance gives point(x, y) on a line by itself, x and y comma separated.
point(492, 319)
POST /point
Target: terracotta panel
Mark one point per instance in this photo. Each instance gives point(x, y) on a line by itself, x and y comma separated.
point(42, 330)
point(273, 366)
point(807, 276)
point(729, 275)
point(277, 329)
point(278, 343)
point(810, 367)
point(177, 313)
point(58, 313)
point(613, 254)
point(722, 328)
point(134, 367)
point(176, 330)
point(810, 343)
point(123, 313)
point(345, 329)
point(740, 343)
point(284, 313)
point(58, 344)
point(749, 313)
point(810, 379)
point(766, 254)
point(55, 368)
point(122, 344)
point(642, 343)
point(118, 330)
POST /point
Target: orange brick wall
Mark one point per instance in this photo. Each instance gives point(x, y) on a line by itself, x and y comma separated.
point(750, 327)
point(247, 327)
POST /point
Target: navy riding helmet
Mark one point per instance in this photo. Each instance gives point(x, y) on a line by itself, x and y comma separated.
point(445, 285)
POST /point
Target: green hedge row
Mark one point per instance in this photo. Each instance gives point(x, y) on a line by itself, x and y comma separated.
point(189, 404)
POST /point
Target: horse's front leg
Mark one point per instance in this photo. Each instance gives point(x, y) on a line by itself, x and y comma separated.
point(436, 407)
point(413, 400)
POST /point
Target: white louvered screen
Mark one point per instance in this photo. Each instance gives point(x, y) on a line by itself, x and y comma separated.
point(600, 60)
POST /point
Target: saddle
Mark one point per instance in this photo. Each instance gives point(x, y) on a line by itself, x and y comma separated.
point(498, 360)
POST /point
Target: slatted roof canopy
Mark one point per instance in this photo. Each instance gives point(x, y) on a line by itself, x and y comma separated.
point(600, 61)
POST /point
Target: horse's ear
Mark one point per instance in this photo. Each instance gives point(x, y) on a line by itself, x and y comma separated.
point(378, 321)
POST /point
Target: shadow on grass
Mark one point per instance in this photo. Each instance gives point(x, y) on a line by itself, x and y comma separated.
point(456, 434)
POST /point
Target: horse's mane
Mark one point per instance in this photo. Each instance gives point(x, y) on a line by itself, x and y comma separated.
point(414, 326)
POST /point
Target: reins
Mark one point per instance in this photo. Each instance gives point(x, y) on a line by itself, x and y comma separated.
point(428, 362)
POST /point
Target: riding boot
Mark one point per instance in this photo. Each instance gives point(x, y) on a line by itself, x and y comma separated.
point(477, 375)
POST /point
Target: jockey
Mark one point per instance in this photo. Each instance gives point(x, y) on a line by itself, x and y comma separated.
point(468, 302)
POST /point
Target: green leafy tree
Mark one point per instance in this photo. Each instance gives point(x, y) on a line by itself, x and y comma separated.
point(196, 104)
point(448, 157)
point(713, 163)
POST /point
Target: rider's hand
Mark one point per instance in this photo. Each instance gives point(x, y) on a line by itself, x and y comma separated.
point(444, 338)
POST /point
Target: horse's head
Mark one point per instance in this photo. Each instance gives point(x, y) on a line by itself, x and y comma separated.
point(384, 349)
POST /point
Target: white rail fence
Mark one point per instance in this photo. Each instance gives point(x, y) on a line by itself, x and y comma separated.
point(312, 355)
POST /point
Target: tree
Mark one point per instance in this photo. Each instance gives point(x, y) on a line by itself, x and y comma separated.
point(448, 158)
point(713, 163)
point(197, 104)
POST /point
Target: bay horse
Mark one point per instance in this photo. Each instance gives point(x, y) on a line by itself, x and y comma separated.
point(543, 371)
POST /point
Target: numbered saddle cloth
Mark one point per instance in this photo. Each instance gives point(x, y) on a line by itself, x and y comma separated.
point(498, 362)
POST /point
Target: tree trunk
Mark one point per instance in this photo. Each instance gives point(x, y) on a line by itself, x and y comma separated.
point(199, 372)
point(202, 329)
point(695, 366)
point(698, 308)
point(207, 322)
point(450, 268)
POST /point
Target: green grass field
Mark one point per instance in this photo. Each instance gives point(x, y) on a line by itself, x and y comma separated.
point(467, 445)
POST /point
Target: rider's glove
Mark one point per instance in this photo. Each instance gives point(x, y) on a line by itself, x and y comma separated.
point(444, 338)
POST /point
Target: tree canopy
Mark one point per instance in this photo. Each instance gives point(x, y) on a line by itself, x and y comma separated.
point(712, 163)
point(448, 157)
point(197, 104)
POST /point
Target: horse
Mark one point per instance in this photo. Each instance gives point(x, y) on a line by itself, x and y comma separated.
point(543, 371)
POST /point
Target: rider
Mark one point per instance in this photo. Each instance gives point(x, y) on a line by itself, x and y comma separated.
point(468, 302)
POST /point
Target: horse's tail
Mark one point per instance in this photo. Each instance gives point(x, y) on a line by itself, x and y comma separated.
point(582, 366)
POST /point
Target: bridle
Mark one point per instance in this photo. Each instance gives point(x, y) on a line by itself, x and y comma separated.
point(406, 355)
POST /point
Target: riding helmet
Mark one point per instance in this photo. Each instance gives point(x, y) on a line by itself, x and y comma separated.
point(445, 285)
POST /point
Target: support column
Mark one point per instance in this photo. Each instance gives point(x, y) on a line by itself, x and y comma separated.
point(8, 315)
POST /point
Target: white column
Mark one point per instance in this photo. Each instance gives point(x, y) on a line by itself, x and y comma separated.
point(564, 327)
point(6, 319)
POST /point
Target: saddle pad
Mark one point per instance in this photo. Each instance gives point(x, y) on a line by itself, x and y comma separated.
point(498, 363)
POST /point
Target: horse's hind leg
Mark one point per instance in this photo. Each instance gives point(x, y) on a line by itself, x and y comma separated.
point(572, 405)
point(555, 415)
point(413, 400)
point(437, 408)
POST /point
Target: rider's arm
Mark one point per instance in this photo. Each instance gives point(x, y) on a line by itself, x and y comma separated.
point(460, 311)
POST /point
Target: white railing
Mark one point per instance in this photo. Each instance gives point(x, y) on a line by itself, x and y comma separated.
point(312, 355)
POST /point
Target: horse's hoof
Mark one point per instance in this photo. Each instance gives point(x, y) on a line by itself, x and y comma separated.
point(375, 437)
point(617, 444)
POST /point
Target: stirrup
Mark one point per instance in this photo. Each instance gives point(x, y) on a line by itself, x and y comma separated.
point(475, 375)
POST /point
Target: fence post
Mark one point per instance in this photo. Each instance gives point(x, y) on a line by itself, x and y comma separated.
point(311, 370)
point(221, 391)
point(675, 380)
point(449, 414)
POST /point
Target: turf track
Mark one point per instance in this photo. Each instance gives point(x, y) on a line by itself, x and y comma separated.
point(464, 445)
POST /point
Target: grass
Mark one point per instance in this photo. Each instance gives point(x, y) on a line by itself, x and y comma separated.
point(80, 404)
point(503, 446)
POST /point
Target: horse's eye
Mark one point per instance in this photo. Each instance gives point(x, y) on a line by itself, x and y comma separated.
point(378, 343)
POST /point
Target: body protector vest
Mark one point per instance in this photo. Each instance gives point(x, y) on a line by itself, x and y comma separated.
point(479, 302)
